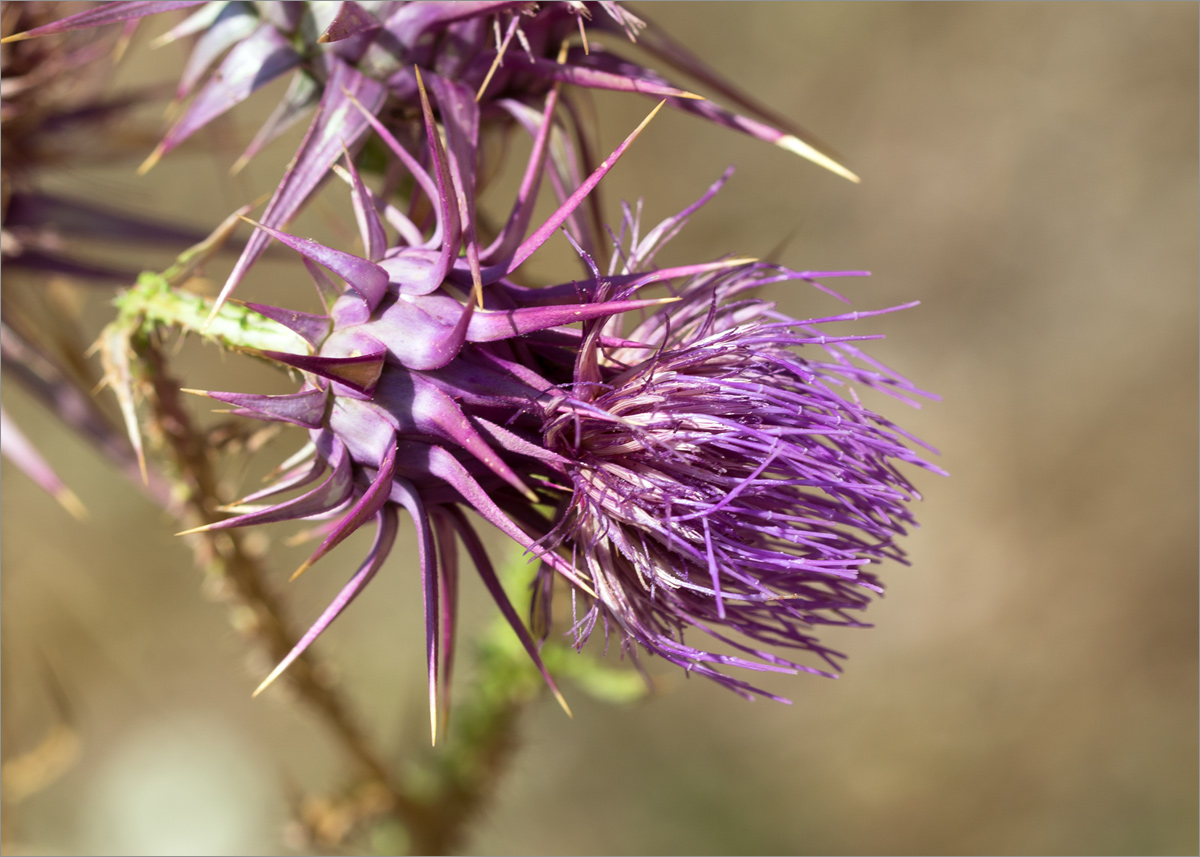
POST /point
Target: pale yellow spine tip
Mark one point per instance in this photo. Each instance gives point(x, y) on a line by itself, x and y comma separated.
point(141, 456)
point(148, 164)
point(15, 37)
point(563, 703)
point(211, 317)
point(804, 150)
point(267, 682)
point(74, 506)
point(652, 114)
point(304, 566)
point(194, 530)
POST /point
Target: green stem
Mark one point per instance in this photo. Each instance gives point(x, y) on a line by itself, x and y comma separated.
point(154, 302)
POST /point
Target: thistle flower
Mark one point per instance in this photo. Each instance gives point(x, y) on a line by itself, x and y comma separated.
point(705, 475)
point(355, 61)
point(720, 482)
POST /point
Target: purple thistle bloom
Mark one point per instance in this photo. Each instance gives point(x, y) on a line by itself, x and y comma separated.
point(706, 475)
point(356, 62)
point(720, 482)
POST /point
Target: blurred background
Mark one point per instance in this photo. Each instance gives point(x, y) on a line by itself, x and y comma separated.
point(1030, 175)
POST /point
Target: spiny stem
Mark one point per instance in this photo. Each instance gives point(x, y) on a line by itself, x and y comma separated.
point(154, 301)
point(47, 382)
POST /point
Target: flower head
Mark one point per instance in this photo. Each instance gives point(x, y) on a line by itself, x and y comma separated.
point(705, 474)
point(357, 64)
point(721, 482)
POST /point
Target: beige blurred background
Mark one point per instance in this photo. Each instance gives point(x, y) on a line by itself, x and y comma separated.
point(1030, 175)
